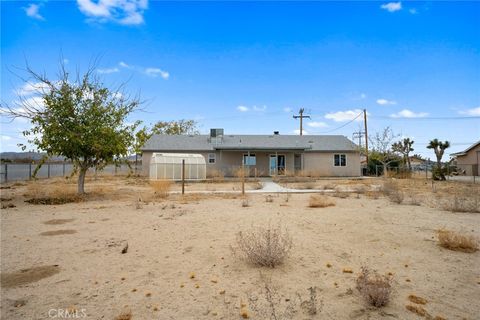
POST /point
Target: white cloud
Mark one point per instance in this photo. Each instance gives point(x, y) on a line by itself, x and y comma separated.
point(123, 64)
point(33, 11)
point(471, 112)
point(317, 124)
point(287, 109)
point(5, 138)
point(413, 11)
point(108, 70)
point(405, 113)
point(155, 72)
point(341, 116)
point(29, 88)
point(242, 108)
point(384, 102)
point(297, 132)
point(126, 12)
point(392, 6)
point(259, 109)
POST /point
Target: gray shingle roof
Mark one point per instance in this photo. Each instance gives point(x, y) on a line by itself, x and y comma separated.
point(249, 142)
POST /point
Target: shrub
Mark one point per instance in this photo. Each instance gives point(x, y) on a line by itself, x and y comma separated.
point(320, 201)
point(216, 175)
point(269, 198)
point(374, 288)
point(467, 202)
point(307, 185)
point(455, 241)
point(261, 246)
point(161, 188)
point(392, 191)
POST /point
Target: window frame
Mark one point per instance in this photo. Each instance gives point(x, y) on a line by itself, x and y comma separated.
point(340, 156)
point(212, 156)
point(251, 155)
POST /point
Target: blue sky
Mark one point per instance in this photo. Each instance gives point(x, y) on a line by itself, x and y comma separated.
point(248, 67)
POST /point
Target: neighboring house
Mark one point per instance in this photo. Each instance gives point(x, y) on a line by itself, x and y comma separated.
point(469, 160)
point(264, 155)
point(417, 163)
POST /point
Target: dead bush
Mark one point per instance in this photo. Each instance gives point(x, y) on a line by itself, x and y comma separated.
point(124, 316)
point(466, 202)
point(320, 201)
point(456, 241)
point(245, 203)
point(374, 288)
point(263, 246)
point(161, 188)
point(307, 185)
point(255, 185)
point(340, 194)
point(392, 191)
point(269, 198)
point(216, 175)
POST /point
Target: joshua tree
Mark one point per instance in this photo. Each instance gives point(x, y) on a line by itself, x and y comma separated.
point(404, 147)
point(439, 149)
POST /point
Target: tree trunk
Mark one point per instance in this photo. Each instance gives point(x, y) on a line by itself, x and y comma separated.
point(384, 169)
point(81, 181)
point(409, 163)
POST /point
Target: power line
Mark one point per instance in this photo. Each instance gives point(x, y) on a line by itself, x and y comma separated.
point(342, 126)
point(425, 118)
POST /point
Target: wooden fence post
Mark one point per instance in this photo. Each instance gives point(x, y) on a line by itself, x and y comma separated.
point(6, 172)
point(243, 180)
point(183, 176)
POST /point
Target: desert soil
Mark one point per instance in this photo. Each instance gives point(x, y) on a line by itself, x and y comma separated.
point(179, 263)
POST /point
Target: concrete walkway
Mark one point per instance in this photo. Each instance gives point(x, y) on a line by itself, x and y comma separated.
point(268, 187)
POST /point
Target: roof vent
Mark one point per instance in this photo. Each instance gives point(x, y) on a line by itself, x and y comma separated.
point(276, 133)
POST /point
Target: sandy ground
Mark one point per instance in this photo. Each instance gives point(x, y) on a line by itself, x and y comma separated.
point(69, 257)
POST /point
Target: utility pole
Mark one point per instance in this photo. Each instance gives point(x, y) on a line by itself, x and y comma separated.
point(301, 116)
point(366, 133)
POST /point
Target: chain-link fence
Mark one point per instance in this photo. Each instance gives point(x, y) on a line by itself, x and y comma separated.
point(25, 171)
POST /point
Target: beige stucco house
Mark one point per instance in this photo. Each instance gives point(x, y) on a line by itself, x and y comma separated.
point(469, 160)
point(263, 155)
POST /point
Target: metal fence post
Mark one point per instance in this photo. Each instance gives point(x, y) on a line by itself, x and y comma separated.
point(6, 172)
point(64, 169)
point(48, 170)
point(30, 171)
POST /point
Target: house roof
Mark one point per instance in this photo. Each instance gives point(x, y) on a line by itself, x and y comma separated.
point(464, 152)
point(249, 142)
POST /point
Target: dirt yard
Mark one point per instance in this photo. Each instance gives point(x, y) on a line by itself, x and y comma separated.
point(179, 262)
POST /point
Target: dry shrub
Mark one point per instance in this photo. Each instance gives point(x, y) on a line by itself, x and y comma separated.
point(341, 194)
point(374, 288)
point(392, 191)
point(161, 188)
point(241, 173)
point(307, 185)
point(256, 185)
point(269, 198)
point(216, 175)
point(39, 193)
point(466, 201)
point(260, 246)
point(320, 201)
point(372, 194)
point(456, 241)
point(245, 203)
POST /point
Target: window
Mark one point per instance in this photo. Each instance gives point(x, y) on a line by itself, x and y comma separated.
point(340, 160)
point(249, 161)
point(211, 158)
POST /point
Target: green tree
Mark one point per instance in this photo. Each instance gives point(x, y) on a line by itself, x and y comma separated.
point(175, 127)
point(439, 149)
point(404, 147)
point(79, 119)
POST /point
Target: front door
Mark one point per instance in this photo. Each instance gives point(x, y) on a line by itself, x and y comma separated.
point(277, 164)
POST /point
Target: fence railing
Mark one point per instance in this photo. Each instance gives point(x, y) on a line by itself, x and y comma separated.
point(25, 171)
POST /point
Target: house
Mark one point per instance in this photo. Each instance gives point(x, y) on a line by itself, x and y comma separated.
point(263, 155)
point(468, 160)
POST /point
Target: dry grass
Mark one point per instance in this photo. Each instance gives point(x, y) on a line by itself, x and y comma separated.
point(161, 188)
point(392, 190)
point(320, 201)
point(374, 288)
point(341, 194)
point(456, 241)
point(216, 175)
point(269, 198)
point(307, 185)
point(416, 299)
point(465, 200)
point(124, 316)
point(260, 246)
point(59, 193)
point(255, 185)
point(418, 310)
